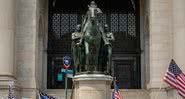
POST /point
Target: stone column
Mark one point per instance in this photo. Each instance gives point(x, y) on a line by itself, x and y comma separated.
point(7, 32)
point(27, 26)
point(179, 32)
point(178, 14)
point(159, 46)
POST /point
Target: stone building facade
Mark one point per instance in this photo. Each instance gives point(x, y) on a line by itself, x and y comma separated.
point(23, 47)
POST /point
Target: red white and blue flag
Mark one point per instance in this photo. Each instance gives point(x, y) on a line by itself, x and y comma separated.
point(116, 93)
point(175, 78)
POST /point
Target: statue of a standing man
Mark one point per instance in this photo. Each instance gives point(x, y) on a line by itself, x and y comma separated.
point(77, 47)
point(109, 38)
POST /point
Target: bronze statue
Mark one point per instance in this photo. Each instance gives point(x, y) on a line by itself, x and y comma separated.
point(92, 37)
point(108, 46)
point(77, 48)
point(92, 44)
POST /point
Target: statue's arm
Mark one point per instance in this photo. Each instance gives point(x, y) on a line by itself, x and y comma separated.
point(74, 36)
point(99, 11)
point(112, 37)
point(80, 42)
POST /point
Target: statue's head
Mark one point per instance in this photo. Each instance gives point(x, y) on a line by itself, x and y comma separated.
point(93, 10)
point(106, 28)
point(93, 4)
point(78, 28)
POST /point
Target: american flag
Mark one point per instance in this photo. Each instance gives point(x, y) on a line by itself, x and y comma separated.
point(176, 78)
point(116, 94)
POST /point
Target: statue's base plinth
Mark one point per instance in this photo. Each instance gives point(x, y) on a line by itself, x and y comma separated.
point(92, 86)
point(92, 72)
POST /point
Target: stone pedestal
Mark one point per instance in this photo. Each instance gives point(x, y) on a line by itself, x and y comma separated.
point(92, 86)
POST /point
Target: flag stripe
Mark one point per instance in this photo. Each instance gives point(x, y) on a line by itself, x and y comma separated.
point(180, 89)
point(170, 82)
point(182, 94)
point(170, 78)
point(170, 74)
point(181, 84)
point(182, 77)
point(117, 95)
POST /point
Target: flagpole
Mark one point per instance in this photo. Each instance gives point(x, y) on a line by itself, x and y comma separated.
point(67, 64)
point(66, 84)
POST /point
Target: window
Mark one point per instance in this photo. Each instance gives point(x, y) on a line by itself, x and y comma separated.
point(123, 20)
